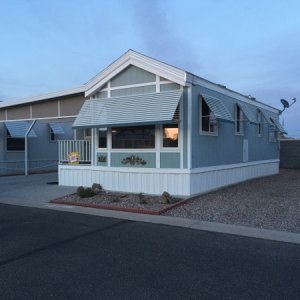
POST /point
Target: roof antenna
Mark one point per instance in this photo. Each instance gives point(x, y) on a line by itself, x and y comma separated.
point(286, 104)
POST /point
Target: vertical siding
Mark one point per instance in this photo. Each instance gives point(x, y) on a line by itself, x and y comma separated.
point(133, 91)
point(227, 147)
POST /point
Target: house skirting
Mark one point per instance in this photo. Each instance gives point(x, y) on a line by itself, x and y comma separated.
point(180, 182)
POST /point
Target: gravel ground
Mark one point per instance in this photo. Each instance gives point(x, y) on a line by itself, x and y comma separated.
point(271, 202)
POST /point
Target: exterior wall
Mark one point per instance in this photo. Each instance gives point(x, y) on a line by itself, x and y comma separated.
point(290, 154)
point(51, 108)
point(178, 182)
point(42, 153)
point(227, 147)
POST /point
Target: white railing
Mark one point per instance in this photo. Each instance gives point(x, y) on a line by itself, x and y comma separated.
point(83, 147)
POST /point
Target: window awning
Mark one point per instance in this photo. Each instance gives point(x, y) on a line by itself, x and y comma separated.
point(218, 108)
point(154, 108)
point(56, 128)
point(18, 129)
point(249, 113)
point(272, 120)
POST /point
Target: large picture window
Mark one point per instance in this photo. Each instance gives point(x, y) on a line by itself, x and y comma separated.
point(102, 138)
point(14, 144)
point(170, 135)
point(209, 122)
point(134, 137)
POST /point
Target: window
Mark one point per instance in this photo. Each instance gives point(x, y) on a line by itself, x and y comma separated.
point(87, 133)
point(135, 137)
point(102, 138)
point(259, 123)
point(239, 129)
point(170, 135)
point(209, 123)
point(52, 135)
point(272, 132)
point(14, 144)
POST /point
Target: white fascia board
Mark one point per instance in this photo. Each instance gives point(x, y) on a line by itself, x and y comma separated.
point(141, 61)
point(47, 96)
point(193, 79)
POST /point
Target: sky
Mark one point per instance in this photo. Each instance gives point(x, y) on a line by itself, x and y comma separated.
point(252, 47)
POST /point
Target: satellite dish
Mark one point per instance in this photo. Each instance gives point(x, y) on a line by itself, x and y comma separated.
point(285, 103)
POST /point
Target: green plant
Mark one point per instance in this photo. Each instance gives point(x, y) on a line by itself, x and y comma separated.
point(142, 199)
point(165, 198)
point(115, 199)
point(97, 188)
point(85, 192)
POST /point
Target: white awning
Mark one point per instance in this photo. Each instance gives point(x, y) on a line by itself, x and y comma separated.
point(249, 112)
point(218, 108)
point(56, 128)
point(154, 108)
point(18, 129)
point(272, 120)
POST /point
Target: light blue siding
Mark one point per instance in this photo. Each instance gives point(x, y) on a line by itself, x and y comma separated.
point(227, 147)
point(101, 159)
point(132, 75)
point(169, 160)
point(148, 157)
point(101, 94)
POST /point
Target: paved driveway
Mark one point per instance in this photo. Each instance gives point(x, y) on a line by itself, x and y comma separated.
point(31, 190)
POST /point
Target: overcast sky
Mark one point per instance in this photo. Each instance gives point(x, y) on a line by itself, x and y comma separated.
point(252, 47)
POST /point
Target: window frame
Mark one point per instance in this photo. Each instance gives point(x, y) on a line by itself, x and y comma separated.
point(8, 136)
point(216, 125)
point(238, 120)
point(162, 137)
point(133, 149)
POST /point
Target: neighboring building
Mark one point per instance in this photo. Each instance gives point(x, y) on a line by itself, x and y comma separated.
point(155, 128)
point(290, 153)
point(46, 119)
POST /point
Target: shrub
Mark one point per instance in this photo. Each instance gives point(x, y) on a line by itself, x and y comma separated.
point(97, 188)
point(165, 198)
point(142, 199)
point(85, 192)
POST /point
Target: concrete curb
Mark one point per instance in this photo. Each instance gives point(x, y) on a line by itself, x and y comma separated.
point(273, 235)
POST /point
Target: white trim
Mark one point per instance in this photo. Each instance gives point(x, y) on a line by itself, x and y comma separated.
point(157, 84)
point(108, 89)
point(203, 132)
point(47, 118)
point(193, 79)
point(189, 126)
point(139, 60)
point(180, 126)
point(233, 166)
point(154, 181)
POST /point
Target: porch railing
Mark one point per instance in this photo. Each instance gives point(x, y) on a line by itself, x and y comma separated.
point(83, 147)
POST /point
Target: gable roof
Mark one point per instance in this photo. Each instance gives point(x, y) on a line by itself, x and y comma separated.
point(141, 61)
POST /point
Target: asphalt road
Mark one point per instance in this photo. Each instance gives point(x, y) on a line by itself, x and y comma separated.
point(48, 254)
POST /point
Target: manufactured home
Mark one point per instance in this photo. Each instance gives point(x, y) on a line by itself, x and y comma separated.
point(154, 128)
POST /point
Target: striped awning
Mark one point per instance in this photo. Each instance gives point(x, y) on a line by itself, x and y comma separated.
point(272, 120)
point(218, 108)
point(56, 128)
point(18, 129)
point(154, 108)
point(249, 112)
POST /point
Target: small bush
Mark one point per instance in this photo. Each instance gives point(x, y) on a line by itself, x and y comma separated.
point(165, 198)
point(142, 199)
point(115, 199)
point(97, 188)
point(85, 192)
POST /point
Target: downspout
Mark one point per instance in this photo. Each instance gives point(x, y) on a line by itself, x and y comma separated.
point(26, 146)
